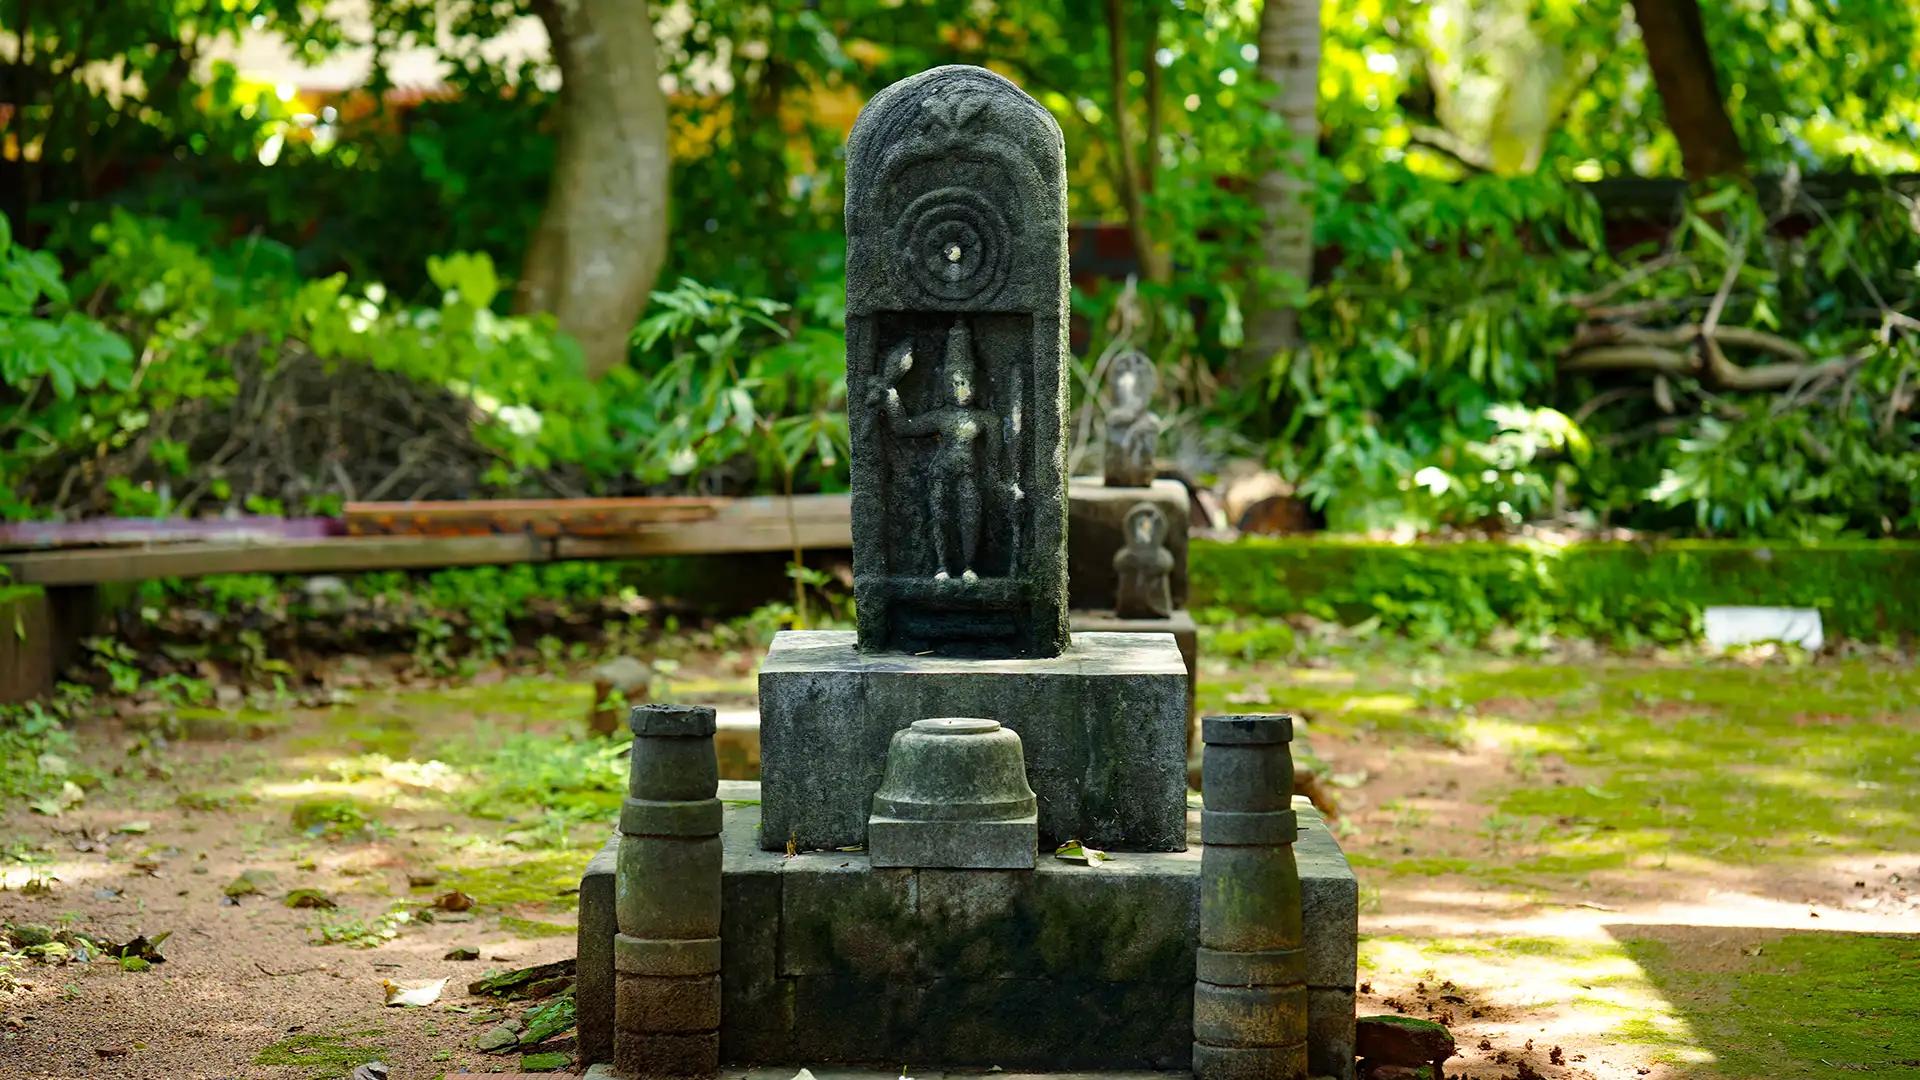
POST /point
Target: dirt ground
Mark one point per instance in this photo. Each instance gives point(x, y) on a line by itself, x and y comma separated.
point(1497, 896)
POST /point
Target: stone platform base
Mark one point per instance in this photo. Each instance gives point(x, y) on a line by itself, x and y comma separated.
point(790, 1071)
point(1103, 728)
point(828, 960)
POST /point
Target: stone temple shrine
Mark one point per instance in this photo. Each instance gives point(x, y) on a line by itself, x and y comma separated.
point(889, 893)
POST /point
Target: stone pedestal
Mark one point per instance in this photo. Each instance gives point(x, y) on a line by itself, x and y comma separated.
point(955, 796)
point(1097, 527)
point(827, 960)
point(1103, 726)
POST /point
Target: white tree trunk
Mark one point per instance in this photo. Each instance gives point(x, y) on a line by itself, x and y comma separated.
point(603, 233)
point(1289, 58)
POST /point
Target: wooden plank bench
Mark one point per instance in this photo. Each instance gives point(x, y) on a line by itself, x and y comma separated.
point(53, 618)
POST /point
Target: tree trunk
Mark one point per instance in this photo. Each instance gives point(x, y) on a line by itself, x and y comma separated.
point(1289, 59)
point(1683, 72)
point(603, 233)
point(1155, 266)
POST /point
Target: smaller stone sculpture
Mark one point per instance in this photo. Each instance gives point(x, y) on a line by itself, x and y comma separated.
point(955, 795)
point(1144, 567)
point(1133, 428)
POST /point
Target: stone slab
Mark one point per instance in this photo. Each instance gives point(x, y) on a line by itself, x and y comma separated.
point(1103, 726)
point(1096, 529)
point(968, 845)
point(593, 964)
point(828, 1073)
point(909, 960)
point(1185, 634)
point(1330, 1032)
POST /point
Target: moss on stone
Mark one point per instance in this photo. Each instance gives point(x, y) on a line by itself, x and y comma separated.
point(321, 1055)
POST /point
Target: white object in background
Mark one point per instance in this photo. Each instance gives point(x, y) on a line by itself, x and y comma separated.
point(1730, 626)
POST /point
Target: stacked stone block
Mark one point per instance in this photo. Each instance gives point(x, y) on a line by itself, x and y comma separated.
point(666, 955)
point(1250, 992)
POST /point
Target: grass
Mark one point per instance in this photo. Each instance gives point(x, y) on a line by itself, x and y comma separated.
point(1736, 764)
point(1799, 1004)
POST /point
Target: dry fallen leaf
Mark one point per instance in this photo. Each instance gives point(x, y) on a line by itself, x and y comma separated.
point(1077, 852)
point(413, 992)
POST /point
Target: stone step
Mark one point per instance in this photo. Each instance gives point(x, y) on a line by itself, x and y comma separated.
point(832, 1073)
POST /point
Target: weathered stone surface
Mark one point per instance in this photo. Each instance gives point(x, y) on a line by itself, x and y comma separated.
point(617, 683)
point(668, 1054)
point(1103, 729)
point(1329, 1025)
point(956, 373)
point(667, 898)
point(1133, 428)
point(1142, 567)
point(954, 795)
point(957, 768)
point(593, 965)
point(1097, 527)
point(655, 1004)
point(975, 845)
point(808, 934)
point(1186, 635)
point(1329, 905)
point(1401, 1040)
point(1250, 993)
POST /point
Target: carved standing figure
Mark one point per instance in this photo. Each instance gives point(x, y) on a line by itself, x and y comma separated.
point(958, 430)
point(1144, 567)
point(1133, 428)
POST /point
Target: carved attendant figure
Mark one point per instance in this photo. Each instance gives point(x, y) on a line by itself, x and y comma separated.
point(953, 490)
point(1144, 567)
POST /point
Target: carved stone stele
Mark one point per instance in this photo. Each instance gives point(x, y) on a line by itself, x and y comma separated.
point(956, 373)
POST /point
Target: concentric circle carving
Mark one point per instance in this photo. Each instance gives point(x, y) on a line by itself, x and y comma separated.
point(953, 244)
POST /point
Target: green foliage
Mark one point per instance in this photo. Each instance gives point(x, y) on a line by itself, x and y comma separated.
point(724, 381)
point(231, 340)
point(1470, 592)
point(1464, 268)
point(36, 747)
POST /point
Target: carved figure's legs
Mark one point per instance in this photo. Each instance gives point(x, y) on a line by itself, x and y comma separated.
point(969, 521)
point(937, 513)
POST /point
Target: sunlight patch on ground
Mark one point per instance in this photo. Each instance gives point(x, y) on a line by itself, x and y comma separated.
point(1586, 989)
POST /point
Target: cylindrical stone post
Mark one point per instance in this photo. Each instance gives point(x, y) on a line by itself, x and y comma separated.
point(666, 956)
point(1249, 991)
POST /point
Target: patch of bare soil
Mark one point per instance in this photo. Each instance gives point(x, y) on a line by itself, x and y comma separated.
point(241, 974)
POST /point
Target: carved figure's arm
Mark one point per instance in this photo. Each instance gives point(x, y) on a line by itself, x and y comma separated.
point(902, 424)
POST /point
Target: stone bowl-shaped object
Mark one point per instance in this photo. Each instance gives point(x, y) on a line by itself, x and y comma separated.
point(955, 769)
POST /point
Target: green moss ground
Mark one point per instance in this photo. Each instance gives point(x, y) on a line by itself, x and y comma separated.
point(1657, 776)
point(1796, 1004)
